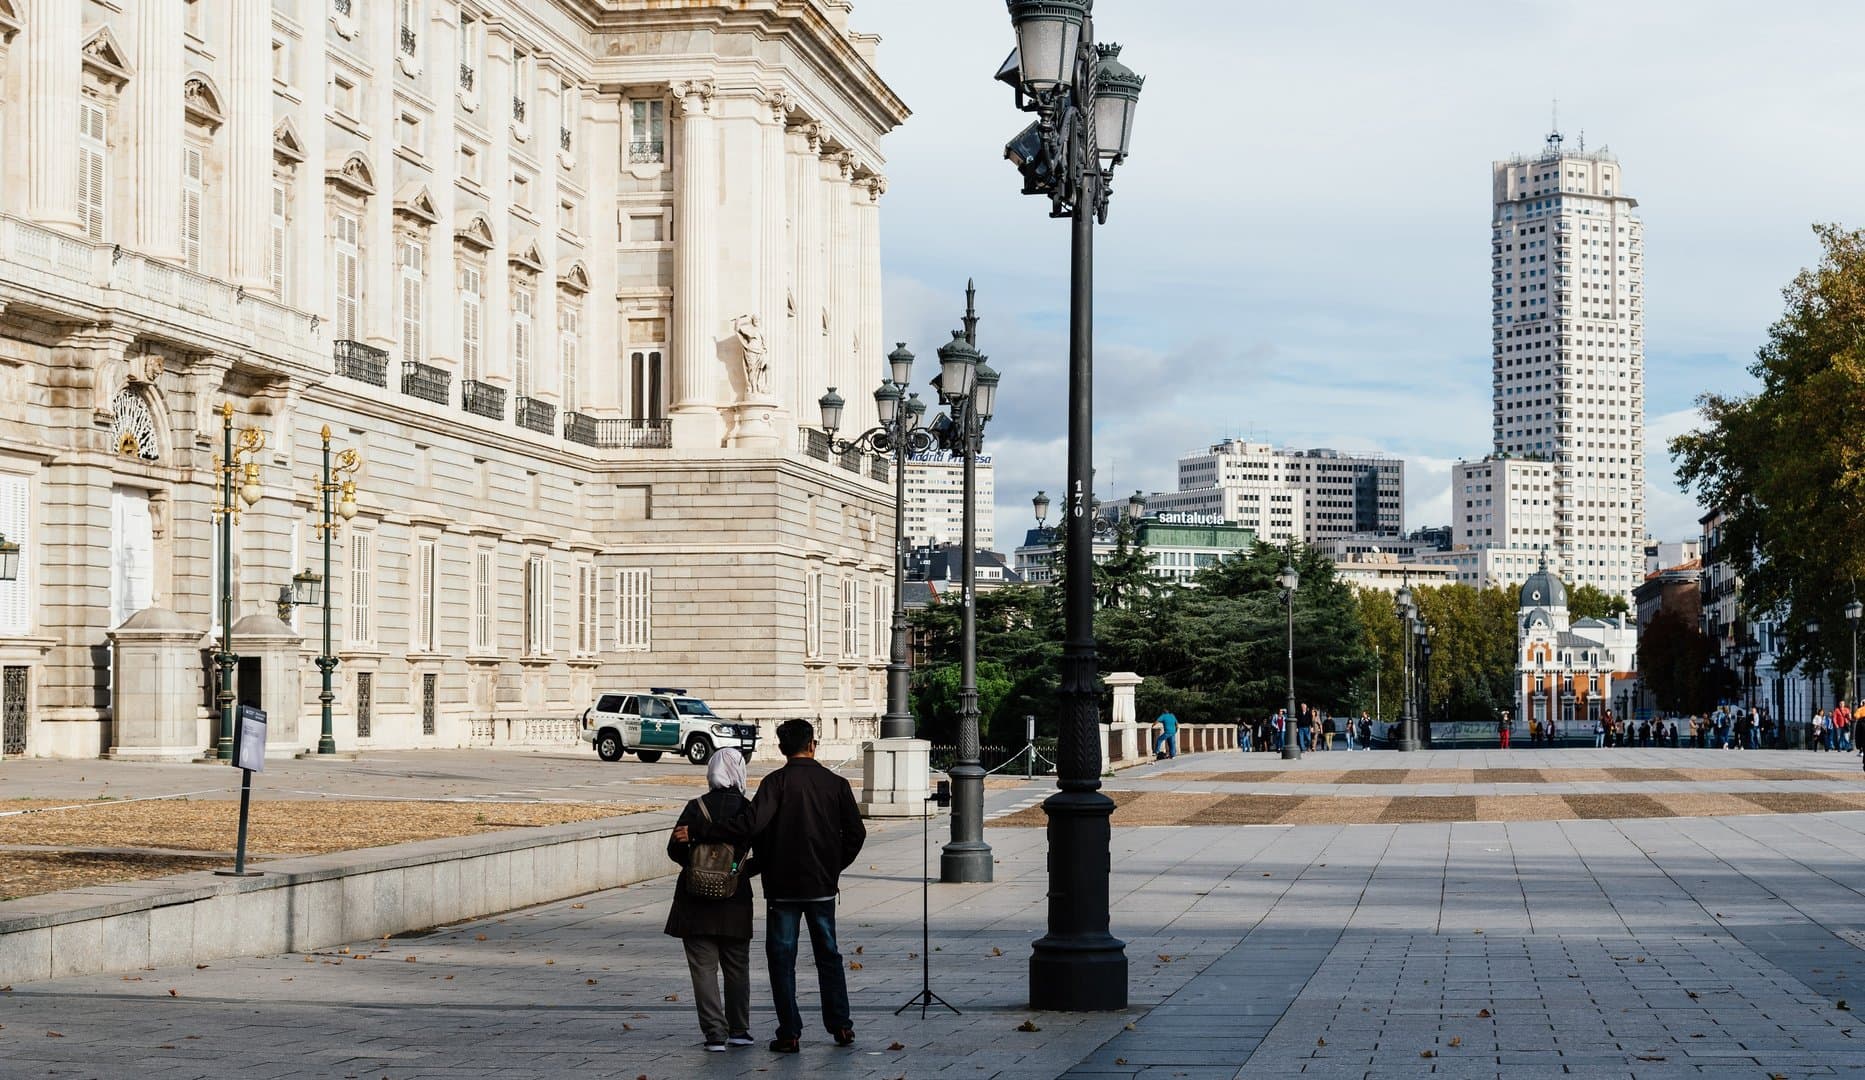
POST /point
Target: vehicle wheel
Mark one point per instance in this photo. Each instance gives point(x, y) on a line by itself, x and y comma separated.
point(609, 746)
point(699, 750)
point(648, 756)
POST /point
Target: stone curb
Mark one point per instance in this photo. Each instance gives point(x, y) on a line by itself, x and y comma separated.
point(318, 901)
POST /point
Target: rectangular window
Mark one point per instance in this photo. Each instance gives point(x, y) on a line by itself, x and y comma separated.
point(469, 52)
point(345, 277)
point(469, 322)
point(521, 342)
point(647, 132)
point(469, 164)
point(423, 615)
point(647, 367)
point(634, 608)
point(485, 585)
point(16, 607)
point(851, 619)
point(812, 615)
point(569, 350)
point(281, 237)
point(191, 199)
point(362, 588)
point(883, 621)
point(829, 618)
point(413, 300)
point(406, 11)
point(540, 607)
point(93, 170)
point(586, 610)
point(521, 191)
point(408, 130)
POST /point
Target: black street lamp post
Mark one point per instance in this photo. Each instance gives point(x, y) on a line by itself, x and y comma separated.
point(1289, 579)
point(1084, 100)
point(238, 465)
point(1854, 609)
point(1408, 697)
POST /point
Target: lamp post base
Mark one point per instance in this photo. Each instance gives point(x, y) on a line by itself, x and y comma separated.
point(326, 745)
point(894, 774)
point(1078, 966)
point(966, 862)
point(1291, 750)
point(1079, 976)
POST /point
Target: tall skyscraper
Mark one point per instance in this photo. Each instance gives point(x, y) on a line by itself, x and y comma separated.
point(1569, 354)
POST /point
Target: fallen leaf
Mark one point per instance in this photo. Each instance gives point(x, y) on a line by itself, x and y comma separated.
point(166, 1046)
point(1131, 1027)
point(447, 978)
point(172, 992)
point(1427, 1053)
point(1641, 959)
point(310, 959)
point(410, 959)
point(896, 1046)
point(671, 997)
point(1476, 931)
point(190, 1036)
point(854, 965)
point(1265, 875)
point(859, 949)
point(1120, 1061)
point(1842, 1006)
point(628, 1027)
point(200, 967)
point(995, 951)
point(550, 962)
point(589, 982)
point(1164, 959)
point(576, 907)
point(913, 956)
point(1692, 993)
point(345, 951)
point(1321, 1042)
point(1457, 1040)
point(1652, 1057)
point(479, 937)
point(1484, 1013)
point(54, 1034)
point(1028, 1025)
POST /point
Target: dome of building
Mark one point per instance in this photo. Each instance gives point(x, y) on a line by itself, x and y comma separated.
point(1542, 589)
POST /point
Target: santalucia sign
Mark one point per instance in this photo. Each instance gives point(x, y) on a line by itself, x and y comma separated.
point(1185, 517)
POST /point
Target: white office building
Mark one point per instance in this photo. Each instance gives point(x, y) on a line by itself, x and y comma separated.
point(1283, 494)
point(1567, 276)
point(935, 504)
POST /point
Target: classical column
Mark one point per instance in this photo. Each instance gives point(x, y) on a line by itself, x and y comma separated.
point(695, 413)
point(442, 270)
point(54, 36)
point(495, 334)
point(838, 235)
point(604, 151)
point(311, 289)
point(249, 143)
point(546, 356)
point(774, 273)
point(868, 352)
point(380, 287)
point(812, 373)
point(158, 92)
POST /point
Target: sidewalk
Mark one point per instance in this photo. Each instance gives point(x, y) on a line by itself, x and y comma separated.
point(1651, 949)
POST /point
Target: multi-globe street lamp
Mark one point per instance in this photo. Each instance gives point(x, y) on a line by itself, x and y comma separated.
point(1854, 609)
point(1813, 637)
point(1407, 608)
point(1084, 101)
point(968, 388)
point(339, 479)
point(1289, 579)
point(238, 465)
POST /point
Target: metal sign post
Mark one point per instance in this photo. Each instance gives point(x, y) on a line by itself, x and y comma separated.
point(249, 756)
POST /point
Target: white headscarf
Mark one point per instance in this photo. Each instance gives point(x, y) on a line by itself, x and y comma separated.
point(726, 769)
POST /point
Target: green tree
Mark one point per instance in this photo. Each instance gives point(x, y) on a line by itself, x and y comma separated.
point(1019, 643)
point(1673, 660)
point(1473, 642)
point(1592, 602)
point(1779, 464)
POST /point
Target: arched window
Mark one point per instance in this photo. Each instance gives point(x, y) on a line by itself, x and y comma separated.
point(135, 433)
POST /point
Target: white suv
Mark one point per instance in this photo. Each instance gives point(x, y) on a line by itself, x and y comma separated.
point(658, 721)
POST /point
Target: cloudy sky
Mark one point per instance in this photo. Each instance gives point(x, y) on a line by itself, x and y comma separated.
point(1298, 250)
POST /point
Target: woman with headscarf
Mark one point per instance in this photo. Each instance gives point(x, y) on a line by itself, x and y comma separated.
point(717, 933)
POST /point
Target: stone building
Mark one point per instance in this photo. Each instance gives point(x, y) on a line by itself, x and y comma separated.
point(1569, 672)
point(1284, 494)
point(568, 275)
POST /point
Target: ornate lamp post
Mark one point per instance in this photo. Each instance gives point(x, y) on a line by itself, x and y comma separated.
point(238, 466)
point(338, 479)
point(1813, 635)
point(1424, 687)
point(1289, 579)
point(1084, 100)
point(1408, 716)
point(1854, 609)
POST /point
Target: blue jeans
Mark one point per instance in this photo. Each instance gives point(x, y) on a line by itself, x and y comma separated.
point(1166, 742)
point(782, 921)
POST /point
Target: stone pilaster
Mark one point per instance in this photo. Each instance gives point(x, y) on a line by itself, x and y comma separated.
point(774, 251)
point(602, 154)
point(441, 43)
point(249, 143)
point(378, 224)
point(695, 414)
point(54, 36)
point(496, 334)
point(311, 289)
point(838, 284)
point(807, 337)
point(870, 357)
point(158, 118)
point(546, 356)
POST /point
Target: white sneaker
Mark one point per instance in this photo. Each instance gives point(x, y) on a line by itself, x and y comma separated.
point(715, 1048)
point(741, 1040)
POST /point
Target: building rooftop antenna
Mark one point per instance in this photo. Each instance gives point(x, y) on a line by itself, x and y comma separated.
point(1554, 128)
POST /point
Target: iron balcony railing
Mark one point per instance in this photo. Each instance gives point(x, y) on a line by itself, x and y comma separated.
point(482, 399)
point(538, 416)
point(621, 434)
point(364, 363)
point(466, 78)
point(816, 444)
point(407, 41)
point(563, 138)
point(851, 460)
point(343, 7)
point(877, 468)
point(518, 109)
point(646, 151)
point(425, 381)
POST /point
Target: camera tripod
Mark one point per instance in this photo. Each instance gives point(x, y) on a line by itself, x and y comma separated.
point(926, 999)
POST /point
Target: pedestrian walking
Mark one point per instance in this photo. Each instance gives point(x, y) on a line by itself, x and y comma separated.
point(1243, 735)
point(1503, 729)
point(1305, 730)
point(1327, 732)
point(1166, 742)
point(711, 911)
point(805, 830)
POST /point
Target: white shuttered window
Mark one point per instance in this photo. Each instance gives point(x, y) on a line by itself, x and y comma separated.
point(93, 168)
point(521, 342)
point(538, 606)
point(281, 236)
point(812, 615)
point(413, 299)
point(424, 601)
point(345, 278)
point(485, 569)
point(16, 525)
point(586, 644)
point(469, 322)
point(851, 619)
point(192, 196)
point(362, 588)
point(569, 349)
point(634, 608)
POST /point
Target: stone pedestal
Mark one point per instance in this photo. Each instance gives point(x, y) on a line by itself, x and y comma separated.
point(155, 687)
point(276, 647)
point(754, 424)
point(1123, 723)
point(894, 776)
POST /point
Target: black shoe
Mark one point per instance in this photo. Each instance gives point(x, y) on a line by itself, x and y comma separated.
point(781, 1045)
point(845, 1037)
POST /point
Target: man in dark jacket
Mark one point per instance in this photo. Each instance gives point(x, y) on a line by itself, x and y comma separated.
point(805, 830)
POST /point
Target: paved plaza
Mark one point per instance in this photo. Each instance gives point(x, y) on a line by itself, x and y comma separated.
point(1651, 948)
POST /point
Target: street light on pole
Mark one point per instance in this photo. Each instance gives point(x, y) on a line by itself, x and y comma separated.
point(1854, 609)
point(1084, 101)
point(1813, 636)
point(1289, 579)
point(338, 479)
point(1407, 608)
point(238, 466)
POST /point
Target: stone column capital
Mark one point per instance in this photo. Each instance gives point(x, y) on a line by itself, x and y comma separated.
point(780, 102)
point(811, 134)
point(693, 96)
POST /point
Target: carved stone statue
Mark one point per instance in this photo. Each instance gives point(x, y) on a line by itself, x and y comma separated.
point(757, 364)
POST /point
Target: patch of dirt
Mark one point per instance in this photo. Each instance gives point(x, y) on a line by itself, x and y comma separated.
point(1706, 804)
point(300, 827)
point(1378, 776)
point(1522, 808)
point(1409, 808)
point(1596, 807)
point(1250, 809)
point(1800, 802)
point(1511, 776)
point(1032, 817)
point(1635, 776)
